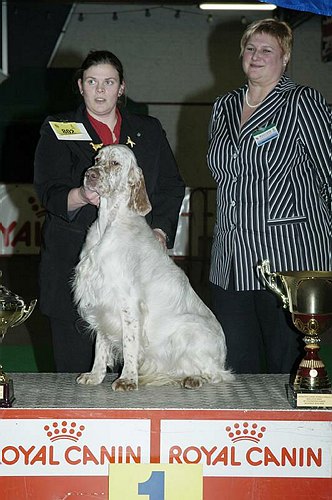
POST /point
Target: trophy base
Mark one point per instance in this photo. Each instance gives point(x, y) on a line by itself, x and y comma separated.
point(6, 394)
point(304, 398)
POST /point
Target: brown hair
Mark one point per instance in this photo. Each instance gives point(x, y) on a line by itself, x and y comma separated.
point(280, 30)
point(96, 57)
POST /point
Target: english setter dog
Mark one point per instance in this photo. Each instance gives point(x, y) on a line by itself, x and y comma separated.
point(138, 302)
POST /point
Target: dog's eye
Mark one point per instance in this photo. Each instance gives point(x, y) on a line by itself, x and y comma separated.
point(114, 163)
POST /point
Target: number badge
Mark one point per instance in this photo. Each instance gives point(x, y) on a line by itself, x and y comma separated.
point(65, 128)
point(155, 482)
point(70, 131)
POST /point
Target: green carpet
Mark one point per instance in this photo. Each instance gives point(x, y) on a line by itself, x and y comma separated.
point(23, 358)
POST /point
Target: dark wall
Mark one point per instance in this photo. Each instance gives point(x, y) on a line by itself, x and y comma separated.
point(26, 98)
point(33, 30)
point(31, 91)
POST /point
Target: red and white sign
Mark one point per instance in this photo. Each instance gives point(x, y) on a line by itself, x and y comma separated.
point(249, 448)
point(50, 454)
point(71, 447)
point(21, 219)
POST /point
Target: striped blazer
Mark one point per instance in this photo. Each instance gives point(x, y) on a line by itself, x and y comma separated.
point(273, 198)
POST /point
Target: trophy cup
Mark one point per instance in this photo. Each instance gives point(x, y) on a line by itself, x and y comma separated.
point(13, 312)
point(308, 296)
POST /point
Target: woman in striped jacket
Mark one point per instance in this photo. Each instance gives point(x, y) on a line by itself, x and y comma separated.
point(270, 155)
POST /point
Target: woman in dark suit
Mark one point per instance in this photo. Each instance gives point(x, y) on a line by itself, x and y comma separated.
point(270, 154)
point(67, 147)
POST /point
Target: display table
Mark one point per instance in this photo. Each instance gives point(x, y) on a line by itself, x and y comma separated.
point(234, 441)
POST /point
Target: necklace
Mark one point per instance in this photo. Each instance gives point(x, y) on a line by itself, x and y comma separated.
point(251, 105)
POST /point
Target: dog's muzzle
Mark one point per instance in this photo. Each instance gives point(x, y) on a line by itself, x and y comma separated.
point(91, 177)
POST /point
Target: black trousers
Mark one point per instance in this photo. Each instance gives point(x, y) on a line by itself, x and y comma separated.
point(259, 333)
point(73, 346)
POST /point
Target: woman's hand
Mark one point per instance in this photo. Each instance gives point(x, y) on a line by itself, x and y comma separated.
point(78, 197)
point(88, 196)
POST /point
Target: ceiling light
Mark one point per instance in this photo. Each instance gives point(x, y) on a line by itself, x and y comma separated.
point(237, 6)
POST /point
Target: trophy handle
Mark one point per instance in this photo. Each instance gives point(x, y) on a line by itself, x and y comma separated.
point(25, 313)
point(270, 280)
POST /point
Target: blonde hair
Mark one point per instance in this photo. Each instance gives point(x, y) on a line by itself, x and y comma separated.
point(280, 30)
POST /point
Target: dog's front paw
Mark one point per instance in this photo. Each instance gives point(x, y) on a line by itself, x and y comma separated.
point(90, 378)
point(124, 384)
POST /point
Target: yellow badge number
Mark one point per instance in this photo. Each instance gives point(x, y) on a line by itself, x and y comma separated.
point(155, 482)
point(66, 128)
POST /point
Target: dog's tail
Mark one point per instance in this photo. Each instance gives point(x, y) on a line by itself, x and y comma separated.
point(158, 379)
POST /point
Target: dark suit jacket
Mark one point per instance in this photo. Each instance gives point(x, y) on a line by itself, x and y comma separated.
point(60, 166)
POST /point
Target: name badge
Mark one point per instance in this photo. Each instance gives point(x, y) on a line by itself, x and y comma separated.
point(70, 131)
point(265, 134)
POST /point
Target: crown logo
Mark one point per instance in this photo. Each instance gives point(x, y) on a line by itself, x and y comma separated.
point(64, 430)
point(245, 432)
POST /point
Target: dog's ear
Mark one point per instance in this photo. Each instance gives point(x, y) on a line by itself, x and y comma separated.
point(139, 201)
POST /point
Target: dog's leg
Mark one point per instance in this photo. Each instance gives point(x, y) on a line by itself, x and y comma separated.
point(128, 380)
point(98, 372)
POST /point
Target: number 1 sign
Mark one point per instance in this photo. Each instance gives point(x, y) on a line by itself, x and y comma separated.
point(155, 482)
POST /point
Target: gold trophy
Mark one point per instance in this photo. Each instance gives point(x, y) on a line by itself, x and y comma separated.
point(308, 296)
point(13, 312)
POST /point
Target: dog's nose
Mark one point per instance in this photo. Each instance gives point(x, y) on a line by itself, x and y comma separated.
point(91, 175)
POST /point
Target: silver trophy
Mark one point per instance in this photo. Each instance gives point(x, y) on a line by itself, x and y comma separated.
point(13, 312)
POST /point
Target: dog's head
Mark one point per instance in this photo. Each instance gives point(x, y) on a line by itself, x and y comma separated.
point(116, 173)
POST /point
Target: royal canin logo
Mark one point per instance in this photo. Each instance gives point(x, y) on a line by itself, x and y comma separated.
point(68, 444)
point(245, 432)
point(252, 445)
point(71, 431)
point(237, 454)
